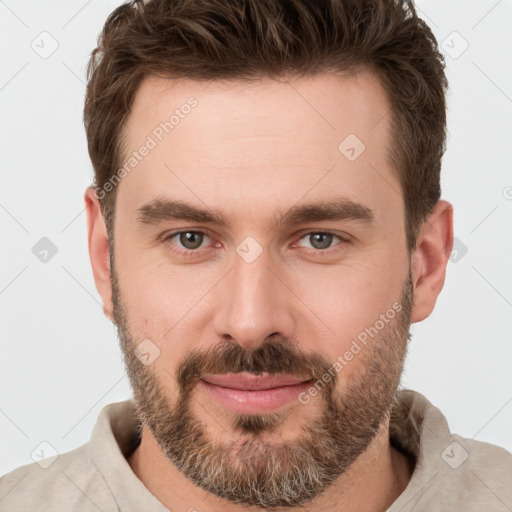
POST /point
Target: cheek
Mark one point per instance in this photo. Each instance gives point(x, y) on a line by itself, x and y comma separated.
point(343, 303)
point(167, 304)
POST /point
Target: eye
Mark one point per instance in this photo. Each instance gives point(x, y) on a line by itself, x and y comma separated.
point(189, 240)
point(322, 240)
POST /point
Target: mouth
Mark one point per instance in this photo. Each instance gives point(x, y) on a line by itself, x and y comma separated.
point(254, 394)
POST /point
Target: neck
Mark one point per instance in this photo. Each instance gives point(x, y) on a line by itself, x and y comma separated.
point(373, 482)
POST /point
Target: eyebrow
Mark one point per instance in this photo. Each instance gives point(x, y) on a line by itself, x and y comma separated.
point(337, 209)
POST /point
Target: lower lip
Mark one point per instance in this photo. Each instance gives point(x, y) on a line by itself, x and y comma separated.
point(254, 401)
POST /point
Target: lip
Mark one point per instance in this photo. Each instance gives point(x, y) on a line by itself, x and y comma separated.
point(249, 381)
point(254, 394)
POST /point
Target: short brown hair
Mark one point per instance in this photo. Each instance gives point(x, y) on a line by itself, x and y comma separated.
point(256, 39)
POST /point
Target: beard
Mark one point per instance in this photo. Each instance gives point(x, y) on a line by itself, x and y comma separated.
point(250, 469)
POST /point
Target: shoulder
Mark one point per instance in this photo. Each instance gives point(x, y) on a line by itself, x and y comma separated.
point(469, 475)
point(472, 476)
point(451, 472)
point(69, 482)
point(487, 466)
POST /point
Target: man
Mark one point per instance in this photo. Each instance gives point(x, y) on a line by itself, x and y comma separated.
point(265, 225)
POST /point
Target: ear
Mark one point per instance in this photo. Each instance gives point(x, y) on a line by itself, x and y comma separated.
point(428, 266)
point(99, 250)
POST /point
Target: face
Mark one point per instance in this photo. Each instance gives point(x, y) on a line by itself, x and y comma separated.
point(296, 271)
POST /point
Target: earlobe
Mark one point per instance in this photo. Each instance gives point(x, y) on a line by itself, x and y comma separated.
point(99, 249)
point(430, 258)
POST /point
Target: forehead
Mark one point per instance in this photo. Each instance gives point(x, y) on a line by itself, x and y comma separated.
point(331, 104)
point(264, 139)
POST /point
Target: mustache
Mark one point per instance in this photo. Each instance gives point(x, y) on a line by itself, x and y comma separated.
point(272, 358)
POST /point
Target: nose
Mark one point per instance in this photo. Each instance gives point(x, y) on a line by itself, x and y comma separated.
point(253, 303)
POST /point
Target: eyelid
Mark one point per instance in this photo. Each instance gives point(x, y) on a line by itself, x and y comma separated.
point(345, 238)
point(166, 237)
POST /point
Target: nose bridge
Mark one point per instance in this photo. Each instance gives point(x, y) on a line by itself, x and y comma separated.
point(252, 306)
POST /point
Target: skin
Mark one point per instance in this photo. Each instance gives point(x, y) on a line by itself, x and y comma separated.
point(252, 151)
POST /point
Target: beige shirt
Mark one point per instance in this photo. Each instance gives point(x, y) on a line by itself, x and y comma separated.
point(451, 472)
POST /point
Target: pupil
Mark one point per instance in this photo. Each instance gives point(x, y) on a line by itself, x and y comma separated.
point(187, 239)
point(326, 242)
point(192, 240)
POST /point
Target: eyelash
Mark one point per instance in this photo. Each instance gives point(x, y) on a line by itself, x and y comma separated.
point(314, 252)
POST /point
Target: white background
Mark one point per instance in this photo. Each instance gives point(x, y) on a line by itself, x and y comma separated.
point(60, 362)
